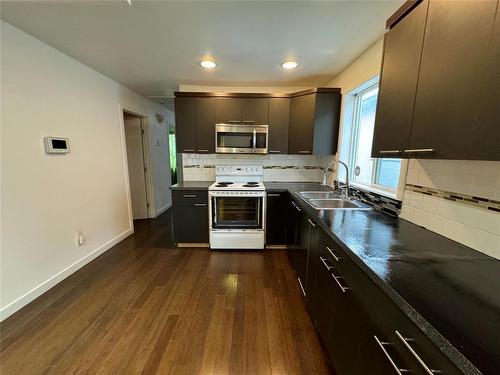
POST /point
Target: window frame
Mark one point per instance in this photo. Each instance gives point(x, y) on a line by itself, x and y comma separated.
point(353, 134)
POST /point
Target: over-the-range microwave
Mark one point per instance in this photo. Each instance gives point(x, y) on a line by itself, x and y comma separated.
point(241, 139)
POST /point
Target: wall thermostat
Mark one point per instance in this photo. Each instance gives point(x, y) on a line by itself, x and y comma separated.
point(55, 145)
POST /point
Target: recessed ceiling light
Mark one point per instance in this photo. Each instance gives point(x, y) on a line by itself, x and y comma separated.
point(208, 64)
point(289, 65)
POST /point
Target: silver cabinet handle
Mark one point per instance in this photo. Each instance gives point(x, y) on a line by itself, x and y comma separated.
point(200, 205)
point(382, 345)
point(274, 152)
point(312, 223)
point(273, 195)
point(202, 150)
point(301, 287)
point(296, 207)
point(420, 150)
point(328, 268)
point(189, 195)
point(304, 152)
point(248, 121)
point(405, 341)
point(187, 150)
point(333, 254)
point(390, 152)
point(342, 288)
point(234, 121)
point(254, 139)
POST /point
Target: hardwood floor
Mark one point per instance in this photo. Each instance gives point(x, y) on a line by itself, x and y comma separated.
point(146, 307)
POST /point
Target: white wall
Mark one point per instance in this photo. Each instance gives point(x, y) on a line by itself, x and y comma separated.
point(46, 199)
point(470, 225)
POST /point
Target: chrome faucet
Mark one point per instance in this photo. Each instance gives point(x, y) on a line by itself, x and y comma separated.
point(325, 170)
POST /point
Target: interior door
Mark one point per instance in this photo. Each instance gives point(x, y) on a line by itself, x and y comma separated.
point(136, 169)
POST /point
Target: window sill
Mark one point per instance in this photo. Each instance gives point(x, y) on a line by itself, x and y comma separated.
point(371, 188)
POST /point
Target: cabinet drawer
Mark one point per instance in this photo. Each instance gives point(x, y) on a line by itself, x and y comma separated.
point(189, 196)
point(388, 332)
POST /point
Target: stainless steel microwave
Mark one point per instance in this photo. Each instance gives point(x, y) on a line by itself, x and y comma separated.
point(241, 139)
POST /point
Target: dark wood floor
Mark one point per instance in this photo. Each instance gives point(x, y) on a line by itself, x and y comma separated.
point(146, 307)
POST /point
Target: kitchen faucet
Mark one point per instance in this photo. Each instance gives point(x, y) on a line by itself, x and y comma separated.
point(325, 170)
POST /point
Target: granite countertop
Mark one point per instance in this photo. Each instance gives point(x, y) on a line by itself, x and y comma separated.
point(192, 185)
point(447, 289)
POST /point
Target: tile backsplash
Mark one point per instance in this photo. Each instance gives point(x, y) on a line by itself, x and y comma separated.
point(459, 199)
point(201, 167)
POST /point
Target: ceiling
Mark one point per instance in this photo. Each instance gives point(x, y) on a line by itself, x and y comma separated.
point(153, 46)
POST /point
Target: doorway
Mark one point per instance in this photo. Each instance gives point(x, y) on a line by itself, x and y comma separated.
point(137, 166)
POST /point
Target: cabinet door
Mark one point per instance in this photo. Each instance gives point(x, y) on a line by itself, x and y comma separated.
point(275, 218)
point(205, 125)
point(279, 116)
point(292, 232)
point(185, 124)
point(486, 138)
point(398, 84)
point(255, 111)
point(300, 139)
point(302, 250)
point(228, 110)
point(190, 216)
point(456, 41)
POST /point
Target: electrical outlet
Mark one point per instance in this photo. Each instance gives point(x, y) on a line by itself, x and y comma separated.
point(80, 238)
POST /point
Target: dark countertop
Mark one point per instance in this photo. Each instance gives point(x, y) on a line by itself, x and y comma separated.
point(192, 185)
point(449, 290)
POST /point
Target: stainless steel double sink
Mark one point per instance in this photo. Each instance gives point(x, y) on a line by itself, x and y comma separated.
point(329, 200)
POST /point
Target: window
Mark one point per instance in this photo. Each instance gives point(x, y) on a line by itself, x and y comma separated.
point(377, 174)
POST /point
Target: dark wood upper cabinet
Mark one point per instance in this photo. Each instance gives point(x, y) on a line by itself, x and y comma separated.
point(185, 124)
point(398, 84)
point(314, 123)
point(205, 125)
point(454, 55)
point(485, 143)
point(279, 116)
point(254, 110)
point(228, 110)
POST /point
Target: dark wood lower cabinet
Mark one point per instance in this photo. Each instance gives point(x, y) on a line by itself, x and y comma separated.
point(361, 328)
point(277, 204)
point(190, 209)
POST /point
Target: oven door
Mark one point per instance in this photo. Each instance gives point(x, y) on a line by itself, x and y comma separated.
point(241, 139)
point(237, 212)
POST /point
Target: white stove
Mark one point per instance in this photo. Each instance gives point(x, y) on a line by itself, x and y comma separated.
point(237, 207)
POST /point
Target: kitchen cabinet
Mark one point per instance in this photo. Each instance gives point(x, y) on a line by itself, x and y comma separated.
point(277, 203)
point(314, 122)
point(190, 216)
point(398, 84)
point(205, 125)
point(279, 118)
point(485, 144)
point(242, 110)
point(185, 124)
point(455, 50)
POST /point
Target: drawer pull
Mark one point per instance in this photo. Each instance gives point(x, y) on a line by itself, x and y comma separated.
point(301, 287)
point(234, 121)
point(405, 341)
point(187, 150)
point(248, 121)
point(337, 259)
point(274, 152)
point(297, 207)
point(202, 150)
point(304, 152)
point(342, 288)
point(328, 268)
point(389, 152)
point(273, 195)
point(420, 150)
point(382, 345)
point(200, 205)
point(189, 195)
point(312, 223)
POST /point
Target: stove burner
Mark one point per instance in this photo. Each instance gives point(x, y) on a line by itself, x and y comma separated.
point(223, 184)
point(252, 183)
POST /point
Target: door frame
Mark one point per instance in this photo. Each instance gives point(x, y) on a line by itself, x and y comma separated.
point(151, 210)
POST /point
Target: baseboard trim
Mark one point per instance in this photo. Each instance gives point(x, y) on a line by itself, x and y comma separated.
point(193, 244)
point(163, 209)
point(37, 291)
